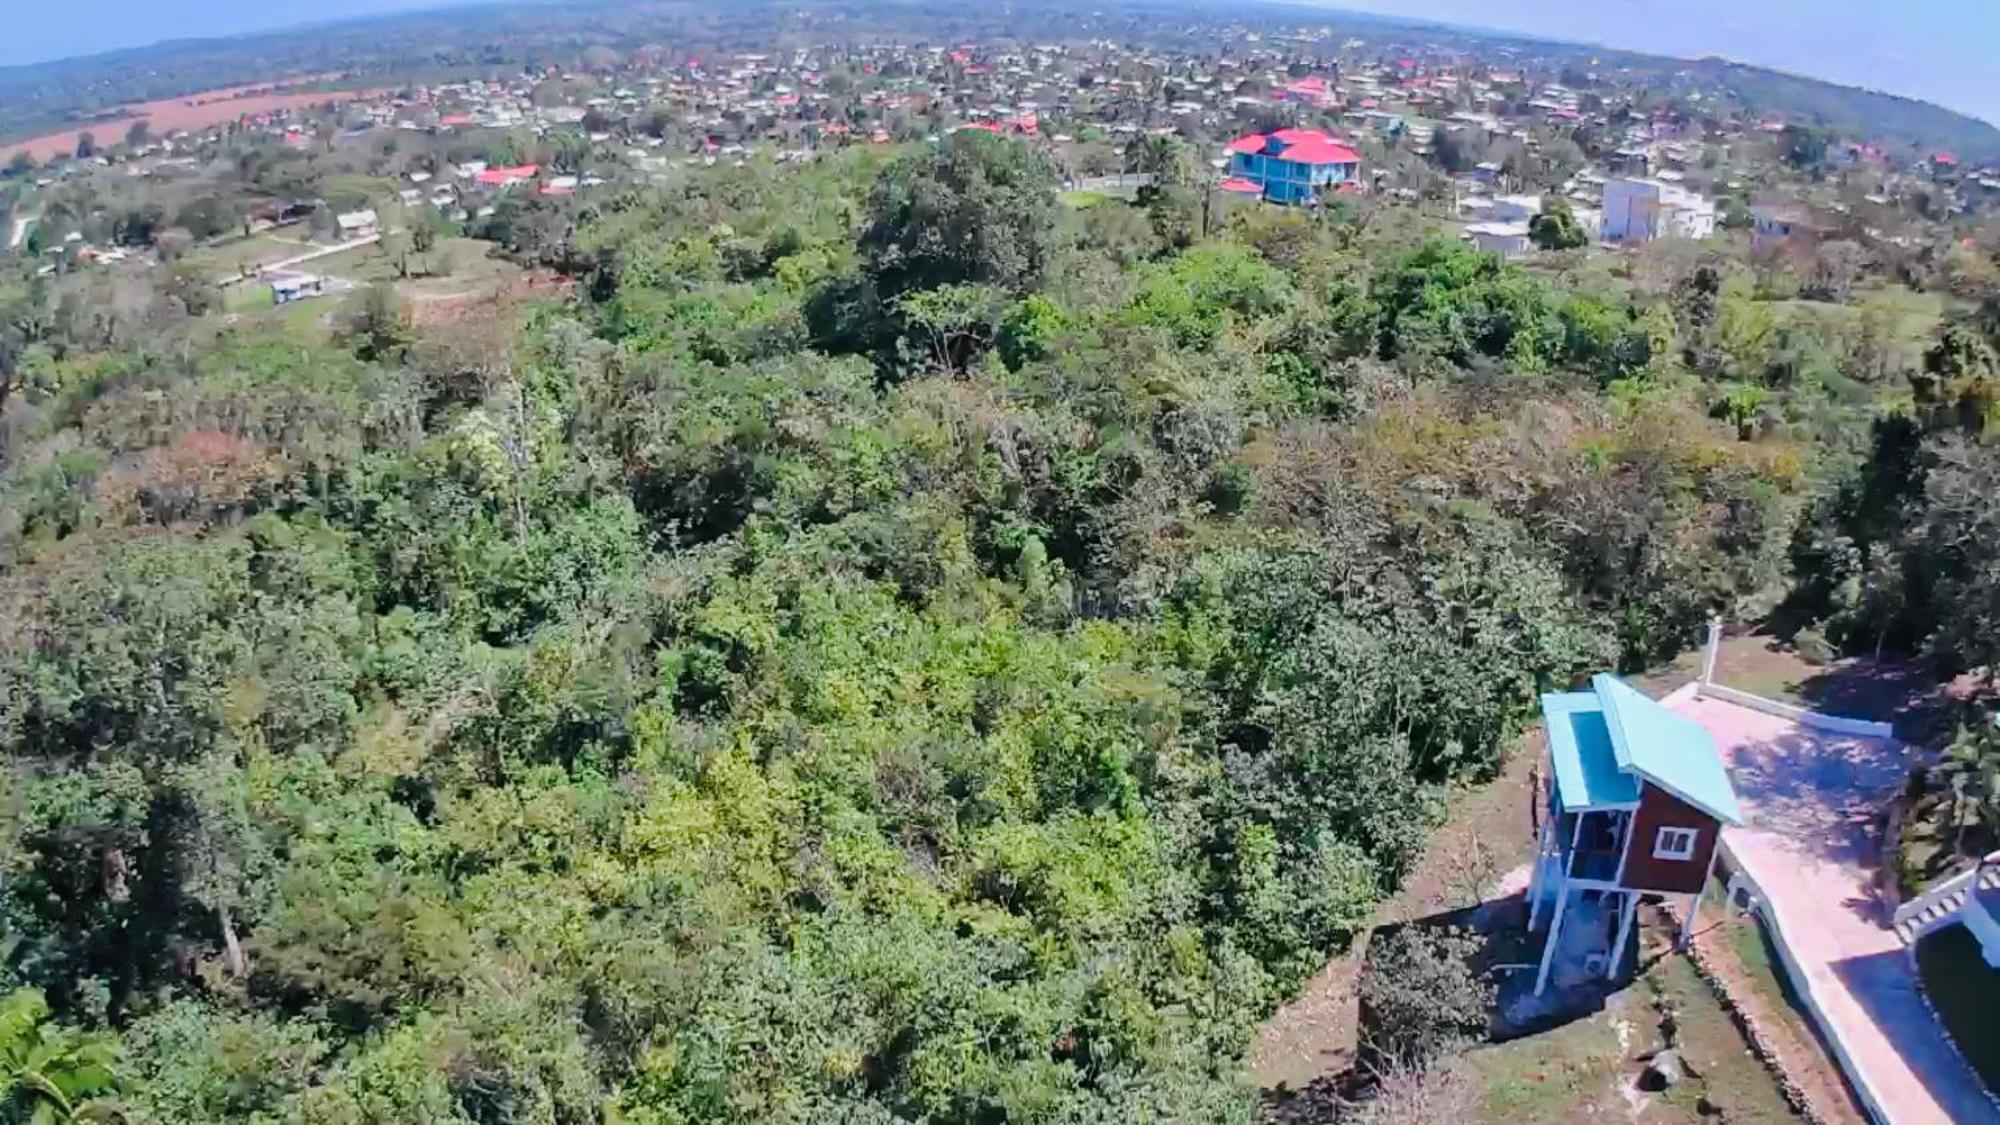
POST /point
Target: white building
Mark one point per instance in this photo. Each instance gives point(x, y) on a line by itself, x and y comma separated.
point(1784, 222)
point(1638, 211)
point(357, 224)
point(1509, 240)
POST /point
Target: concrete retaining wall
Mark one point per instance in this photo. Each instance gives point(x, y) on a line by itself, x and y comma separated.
point(1802, 985)
point(1833, 724)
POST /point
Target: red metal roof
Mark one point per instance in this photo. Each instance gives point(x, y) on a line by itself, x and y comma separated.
point(1305, 146)
point(1239, 184)
point(1321, 151)
point(509, 175)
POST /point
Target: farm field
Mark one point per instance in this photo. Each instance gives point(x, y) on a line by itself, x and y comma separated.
point(460, 273)
point(192, 111)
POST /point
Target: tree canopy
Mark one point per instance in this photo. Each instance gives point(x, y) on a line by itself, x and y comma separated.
point(885, 644)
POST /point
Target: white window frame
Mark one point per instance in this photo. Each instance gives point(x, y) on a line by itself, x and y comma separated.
point(1673, 842)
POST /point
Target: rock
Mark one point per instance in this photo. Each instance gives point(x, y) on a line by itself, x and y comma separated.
point(1664, 1071)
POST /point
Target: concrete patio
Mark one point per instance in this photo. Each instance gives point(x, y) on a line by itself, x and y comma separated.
point(1810, 797)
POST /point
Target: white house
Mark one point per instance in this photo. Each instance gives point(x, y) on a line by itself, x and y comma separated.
point(1509, 240)
point(1638, 211)
point(358, 224)
point(1781, 223)
point(286, 288)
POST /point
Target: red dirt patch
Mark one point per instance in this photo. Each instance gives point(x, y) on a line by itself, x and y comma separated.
point(435, 309)
point(190, 111)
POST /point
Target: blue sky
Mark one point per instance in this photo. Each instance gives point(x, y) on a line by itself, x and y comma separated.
point(36, 30)
point(1941, 50)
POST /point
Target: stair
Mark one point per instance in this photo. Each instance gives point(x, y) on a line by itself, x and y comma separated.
point(1942, 903)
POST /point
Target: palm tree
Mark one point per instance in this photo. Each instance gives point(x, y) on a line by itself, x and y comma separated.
point(49, 1074)
point(1970, 766)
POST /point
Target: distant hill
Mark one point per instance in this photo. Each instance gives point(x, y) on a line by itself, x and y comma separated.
point(1900, 122)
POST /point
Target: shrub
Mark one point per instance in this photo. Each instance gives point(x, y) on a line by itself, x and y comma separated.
point(1421, 995)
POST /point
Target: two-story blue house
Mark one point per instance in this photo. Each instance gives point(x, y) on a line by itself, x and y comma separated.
point(1293, 165)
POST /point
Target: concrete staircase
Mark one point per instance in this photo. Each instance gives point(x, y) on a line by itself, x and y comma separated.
point(1943, 904)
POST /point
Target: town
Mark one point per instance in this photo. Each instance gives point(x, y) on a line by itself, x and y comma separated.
point(1516, 154)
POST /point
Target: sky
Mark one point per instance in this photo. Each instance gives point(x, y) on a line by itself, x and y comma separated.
point(1942, 51)
point(37, 31)
point(1939, 50)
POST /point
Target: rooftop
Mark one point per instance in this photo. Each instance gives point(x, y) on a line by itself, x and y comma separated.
point(1605, 741)
point(1669, 750)
point(1587, 772)
point(1305, 146)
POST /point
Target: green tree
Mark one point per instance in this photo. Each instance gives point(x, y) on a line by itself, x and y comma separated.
point(952, 324)
point(1957, 384)
point(1556, 227)
point(1970, 770)
point(50, 1075)
point(377, 323)
point(1742, 404)
point(1804, 146)
point(979, 210)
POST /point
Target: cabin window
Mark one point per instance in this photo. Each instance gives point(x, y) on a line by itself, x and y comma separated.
point(1674, 843)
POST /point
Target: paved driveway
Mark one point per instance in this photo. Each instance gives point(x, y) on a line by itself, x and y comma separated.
point(1810, 799)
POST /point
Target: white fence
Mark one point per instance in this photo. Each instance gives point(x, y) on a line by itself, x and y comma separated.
point(1740, 880)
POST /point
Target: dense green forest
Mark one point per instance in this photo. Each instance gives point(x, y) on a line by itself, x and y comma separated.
point(894, 643)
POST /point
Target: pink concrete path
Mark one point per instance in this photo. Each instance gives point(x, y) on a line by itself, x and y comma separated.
point(1810, 798)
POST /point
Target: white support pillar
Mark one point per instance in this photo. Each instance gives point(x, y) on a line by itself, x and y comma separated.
point(1535, 876)
point(1710, 651)
point(1628, 909)
point(1694, 901)
point(1555, 936)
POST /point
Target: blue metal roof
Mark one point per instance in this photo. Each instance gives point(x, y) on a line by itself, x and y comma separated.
point(1586, 768)
point(1672, 751)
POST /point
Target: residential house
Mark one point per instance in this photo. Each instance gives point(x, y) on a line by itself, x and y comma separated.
point(1294, 165)
point(1509, 239)
point(1639, 211)
point(287, 288)
point(357, 224)
point(497, 178)
point(1787, 224)
point(1636, 802)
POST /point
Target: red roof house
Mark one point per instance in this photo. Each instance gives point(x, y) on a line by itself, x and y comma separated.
point(1292, 165)
point(502, 177)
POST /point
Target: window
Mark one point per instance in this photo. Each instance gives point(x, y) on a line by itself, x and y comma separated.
point(1674, 843)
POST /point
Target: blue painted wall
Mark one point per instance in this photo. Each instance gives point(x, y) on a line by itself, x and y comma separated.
point(1288, 181)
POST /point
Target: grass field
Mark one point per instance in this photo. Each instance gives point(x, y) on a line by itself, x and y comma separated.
point(1752, 947)
point(464, 268)
point(227, 259)
point(1585, 1070)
